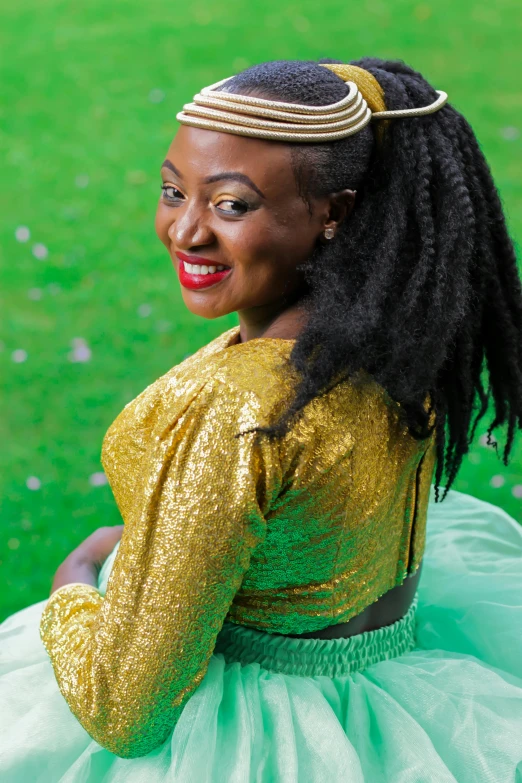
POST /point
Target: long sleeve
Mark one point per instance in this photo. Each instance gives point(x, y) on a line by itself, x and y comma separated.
point(127, 663)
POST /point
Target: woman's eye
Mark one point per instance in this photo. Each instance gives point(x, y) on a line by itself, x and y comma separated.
point(228, 206)
point(171, 193)
point(235, 208)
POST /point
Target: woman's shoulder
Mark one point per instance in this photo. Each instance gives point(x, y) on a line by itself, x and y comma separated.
point(186, 376)
point(258, 368)
point(253, 381)
point(232, 376)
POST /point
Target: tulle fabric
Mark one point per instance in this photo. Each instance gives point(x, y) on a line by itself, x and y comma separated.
point(450, 709)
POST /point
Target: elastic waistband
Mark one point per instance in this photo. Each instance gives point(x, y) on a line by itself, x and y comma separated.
point(312, 657)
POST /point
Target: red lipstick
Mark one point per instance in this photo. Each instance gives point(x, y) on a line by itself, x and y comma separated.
point(195, 281)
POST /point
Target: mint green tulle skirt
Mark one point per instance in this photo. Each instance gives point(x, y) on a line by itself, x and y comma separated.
point(433, 698)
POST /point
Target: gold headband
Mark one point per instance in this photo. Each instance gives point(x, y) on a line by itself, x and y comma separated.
point(246, 115)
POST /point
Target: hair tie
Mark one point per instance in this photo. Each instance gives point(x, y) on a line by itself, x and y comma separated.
point(369, 87)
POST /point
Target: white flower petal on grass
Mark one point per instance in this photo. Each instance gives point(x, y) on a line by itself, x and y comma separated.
point(483, 440)
point(510, 133)
point(80, 350)
point(82, 353)
point(497, 481)
point(517, 491)
point(156, 95)
point(19, 356)
point(22, 234)
point(144, 310)
point(35, 294)
point(33, 483)
point(40, 251)
point(82, 180)
point(98, 479)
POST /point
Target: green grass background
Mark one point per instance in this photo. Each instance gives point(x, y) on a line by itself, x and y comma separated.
point(89, 93)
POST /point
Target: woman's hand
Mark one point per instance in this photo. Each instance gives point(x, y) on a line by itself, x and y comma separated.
point(84, 562)
point(97, 547)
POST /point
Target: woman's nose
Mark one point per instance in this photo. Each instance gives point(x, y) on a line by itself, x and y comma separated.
point(189, 228)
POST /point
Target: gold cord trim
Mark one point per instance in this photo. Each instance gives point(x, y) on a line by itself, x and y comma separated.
point(248, 115)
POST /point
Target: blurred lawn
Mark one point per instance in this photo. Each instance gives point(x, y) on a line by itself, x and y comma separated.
point(89, 94)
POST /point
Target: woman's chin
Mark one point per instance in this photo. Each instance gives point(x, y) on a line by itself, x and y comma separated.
point(201, 304)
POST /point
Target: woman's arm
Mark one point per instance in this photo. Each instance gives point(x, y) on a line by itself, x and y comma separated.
point(127, 663)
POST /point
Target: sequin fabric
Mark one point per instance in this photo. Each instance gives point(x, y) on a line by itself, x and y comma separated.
point(286, 536)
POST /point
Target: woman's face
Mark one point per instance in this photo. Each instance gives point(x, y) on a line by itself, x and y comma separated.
point(230, 204)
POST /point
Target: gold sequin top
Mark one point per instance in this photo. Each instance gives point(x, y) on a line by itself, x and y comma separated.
point(287, 535)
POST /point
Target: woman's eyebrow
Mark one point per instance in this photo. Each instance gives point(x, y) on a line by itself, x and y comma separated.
point(216, 177)
point(168, 165)
point(237, 176)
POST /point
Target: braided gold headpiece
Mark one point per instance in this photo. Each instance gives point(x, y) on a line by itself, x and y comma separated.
point(246, 115)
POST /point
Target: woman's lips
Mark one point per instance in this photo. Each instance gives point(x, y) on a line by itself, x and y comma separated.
point(197, 281)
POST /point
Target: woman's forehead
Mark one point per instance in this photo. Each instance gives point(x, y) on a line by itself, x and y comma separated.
point(197, 152)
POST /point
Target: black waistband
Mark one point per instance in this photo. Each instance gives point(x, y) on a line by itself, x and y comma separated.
point(339, 631)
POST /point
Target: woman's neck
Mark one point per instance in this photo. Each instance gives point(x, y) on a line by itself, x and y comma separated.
point(276, 321)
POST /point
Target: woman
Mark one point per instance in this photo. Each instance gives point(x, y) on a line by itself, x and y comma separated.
point(259, 620)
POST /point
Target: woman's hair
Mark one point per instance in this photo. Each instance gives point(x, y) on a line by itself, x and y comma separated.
point(420, 284)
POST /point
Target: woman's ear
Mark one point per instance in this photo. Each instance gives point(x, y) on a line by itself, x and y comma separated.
point(340, 207)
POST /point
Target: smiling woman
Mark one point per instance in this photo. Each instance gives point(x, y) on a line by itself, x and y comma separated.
point(245, 221)
point(263, 616)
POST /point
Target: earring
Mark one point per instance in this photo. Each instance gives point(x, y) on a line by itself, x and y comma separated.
point(329, 233)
